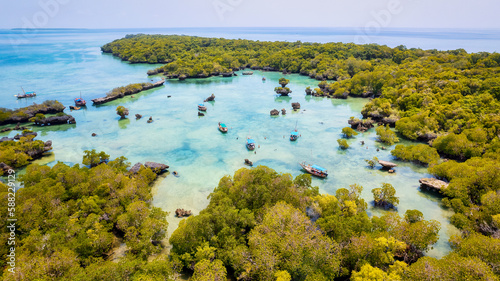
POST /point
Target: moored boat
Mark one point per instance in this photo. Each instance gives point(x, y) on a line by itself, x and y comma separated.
point(222, 127)
point(314, 170)
point(250, 144)
point(247, 73)
point(25, 94)
point(80, 102)
point(294, 135)
point(202, 107)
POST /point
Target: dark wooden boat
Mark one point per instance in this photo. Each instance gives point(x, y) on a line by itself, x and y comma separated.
point(250, 144)
point(202, 107)
point(25, 94)
point(222, 127)
point(314, 170)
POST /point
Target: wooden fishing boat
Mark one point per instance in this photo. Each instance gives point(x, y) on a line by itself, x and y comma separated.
point(25, 94)
point(80, 102)
point(202, 107)
point(247, 73)
point(314, 170)
point(222, 127)
point(250, 144)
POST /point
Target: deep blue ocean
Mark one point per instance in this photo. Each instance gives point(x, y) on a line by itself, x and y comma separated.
point(61, 64)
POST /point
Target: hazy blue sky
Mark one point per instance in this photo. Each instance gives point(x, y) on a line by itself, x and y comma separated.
point(259, 13)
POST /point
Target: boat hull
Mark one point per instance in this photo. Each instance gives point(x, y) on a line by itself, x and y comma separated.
point(313, 172)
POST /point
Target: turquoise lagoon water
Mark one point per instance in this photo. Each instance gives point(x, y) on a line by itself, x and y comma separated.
point(61, 64)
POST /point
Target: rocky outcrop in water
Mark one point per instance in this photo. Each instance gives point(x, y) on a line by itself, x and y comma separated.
point(295, 105)
point(26, 113)
point(433, 184)
point(248, 162)
point(121, 92)
point(283, 111)
point(157, 168)
point(387, 164)
point(56, 120)
point(182, 213)
point(227, 74)
point(138, 116)
point(19, 136)
point(274, 112)
point(361, 125)
point(210, 98)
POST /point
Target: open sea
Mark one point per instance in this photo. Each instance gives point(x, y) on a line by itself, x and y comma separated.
point(62, 63)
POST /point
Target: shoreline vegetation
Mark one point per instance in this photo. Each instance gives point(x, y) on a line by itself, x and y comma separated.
point(128, 90)
point(22, 115)
point(448, 100)
point(264, 225)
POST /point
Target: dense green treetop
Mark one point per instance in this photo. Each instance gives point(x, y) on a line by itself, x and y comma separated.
point(69, 220)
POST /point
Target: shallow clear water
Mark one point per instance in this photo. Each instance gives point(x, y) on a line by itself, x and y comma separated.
point(60, 65)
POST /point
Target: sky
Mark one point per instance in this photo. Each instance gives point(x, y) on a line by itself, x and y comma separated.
point(249, 13)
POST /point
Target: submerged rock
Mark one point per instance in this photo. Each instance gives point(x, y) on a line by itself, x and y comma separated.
point(138, 116)
point(295, 105)
point(201, 114)
point(248, 162)
point(283, 111)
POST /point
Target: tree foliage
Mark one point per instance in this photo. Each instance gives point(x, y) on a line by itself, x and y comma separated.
point(70, 218)
point(122, 111)
point(420, 153)
point(386, 135)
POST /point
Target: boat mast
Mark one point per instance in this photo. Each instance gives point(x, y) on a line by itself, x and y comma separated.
point(23, 90)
